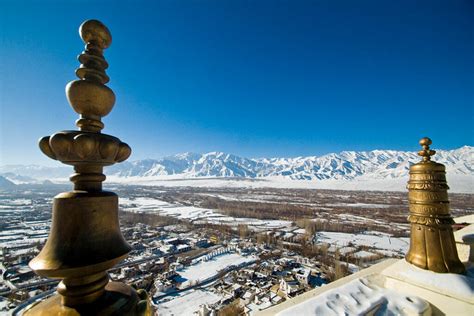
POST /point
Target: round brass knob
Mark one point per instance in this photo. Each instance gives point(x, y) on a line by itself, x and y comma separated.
point(93, 31)
point(425, 141)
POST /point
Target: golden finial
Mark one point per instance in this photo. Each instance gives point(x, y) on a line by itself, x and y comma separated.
point(85, 239)
point(426, 153)
point(432, 244)
point(88, 150)
point(89, 96)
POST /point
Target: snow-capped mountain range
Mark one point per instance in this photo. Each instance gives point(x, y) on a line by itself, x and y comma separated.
point(347, 165)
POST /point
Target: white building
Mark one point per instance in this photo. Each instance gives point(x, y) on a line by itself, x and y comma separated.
point(289, 286)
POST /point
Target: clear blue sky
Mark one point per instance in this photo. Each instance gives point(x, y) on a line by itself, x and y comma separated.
point(254, 78)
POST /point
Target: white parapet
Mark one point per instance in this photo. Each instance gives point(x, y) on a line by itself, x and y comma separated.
point(448, 293)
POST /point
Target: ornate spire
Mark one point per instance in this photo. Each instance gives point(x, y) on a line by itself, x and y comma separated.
point(87, 149)
point(432, 244)
point(85, 239)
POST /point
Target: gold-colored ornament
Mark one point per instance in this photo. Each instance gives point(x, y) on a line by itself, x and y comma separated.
point(85, 239)
point(432, 245)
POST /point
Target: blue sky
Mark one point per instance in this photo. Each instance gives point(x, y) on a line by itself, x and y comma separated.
point(253, 78)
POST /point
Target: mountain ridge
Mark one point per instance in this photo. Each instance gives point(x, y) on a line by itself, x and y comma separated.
point(346, 165)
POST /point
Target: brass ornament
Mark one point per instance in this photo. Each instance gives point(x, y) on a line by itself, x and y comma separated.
point(85, 239)
point(432, 245)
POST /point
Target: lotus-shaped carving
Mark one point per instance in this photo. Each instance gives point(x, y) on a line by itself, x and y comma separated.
point(78, 147)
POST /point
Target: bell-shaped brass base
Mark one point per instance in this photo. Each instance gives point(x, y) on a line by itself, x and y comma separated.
point(84, 242)
point(85, 236)
point(117, 299)
point(433, 248)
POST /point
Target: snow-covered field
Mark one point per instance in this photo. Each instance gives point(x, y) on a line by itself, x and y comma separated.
point(363, 205)
point(205, 270)
point(458, 183)
point(378, 240)
point(186, 303)
point(363, 254)
point(196, 214)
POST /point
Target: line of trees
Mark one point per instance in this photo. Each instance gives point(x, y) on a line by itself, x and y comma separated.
point(152, 219)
